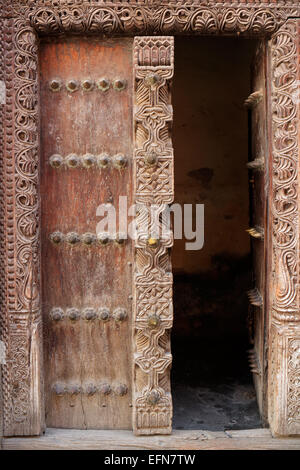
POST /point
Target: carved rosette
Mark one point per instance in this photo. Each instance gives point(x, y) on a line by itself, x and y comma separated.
point(284, 358)
point(151, 17)
point(153, 176)
point(20, 316)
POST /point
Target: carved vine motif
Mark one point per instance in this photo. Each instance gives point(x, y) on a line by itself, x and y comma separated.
point(22, 322)
point(285, 357)
point(148, 17)
point(153, 62)
point(285, 116)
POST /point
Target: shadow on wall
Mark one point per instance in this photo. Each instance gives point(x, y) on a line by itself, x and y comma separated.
point(211, 382)
point(210, 136)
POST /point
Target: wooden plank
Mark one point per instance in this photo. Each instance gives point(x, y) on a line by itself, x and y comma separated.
point(259, 198)
point(88, 359)
point(59, 439)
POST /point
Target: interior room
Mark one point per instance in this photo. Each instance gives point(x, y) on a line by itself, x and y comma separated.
point(211, 380)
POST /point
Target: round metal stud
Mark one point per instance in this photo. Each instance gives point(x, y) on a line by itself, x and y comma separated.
point(120, 161)
point(55, 85)
point(74, 389)
point(105, 388)
point(72, 85)
point(104, 314)
point(90, 389)
point(119, 84)
point(56, 237)
point(73, 160)
point(73, 314)
point(103, 160)
point(103, 84)
point(88, 160)
point(153, 397)
point(59, 389)
point(56, 161)
point(90, 314)
point(120, 314)
point(121, 389)
point(151, 158)
point(153, 242)
point(57, 314)
point(88, 238)
point(103, 238)
point(120, 238)
point(153, 321)
point(72, 238)
point(152, 79)
point(87, 85)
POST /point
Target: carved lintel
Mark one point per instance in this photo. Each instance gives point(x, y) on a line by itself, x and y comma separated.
point(148, 17)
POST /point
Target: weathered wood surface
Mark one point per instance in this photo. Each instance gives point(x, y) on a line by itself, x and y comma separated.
point(58, 439)
point(84, 356)
point(259, 219)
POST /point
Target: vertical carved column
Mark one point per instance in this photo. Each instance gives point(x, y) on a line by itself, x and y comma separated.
point(20, 311)
point(284, 342)
point(2, 257)
point(154, 190)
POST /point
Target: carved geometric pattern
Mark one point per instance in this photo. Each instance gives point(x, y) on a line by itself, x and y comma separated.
point(153, 62)
point(284, 363)
point(293, 385)
point(154, 180)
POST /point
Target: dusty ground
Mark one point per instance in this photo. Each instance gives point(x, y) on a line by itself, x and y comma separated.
point(212, 388)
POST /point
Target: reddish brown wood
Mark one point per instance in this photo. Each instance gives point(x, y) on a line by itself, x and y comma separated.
point(259, 193)
point(85, 352)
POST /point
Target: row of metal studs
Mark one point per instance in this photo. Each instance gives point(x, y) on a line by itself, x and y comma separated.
point(89, 313)
point(89, 389)
point(72, 85)
point(73, 238)
point(88, 160)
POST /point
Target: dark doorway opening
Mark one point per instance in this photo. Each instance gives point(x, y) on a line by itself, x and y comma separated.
point(211, 382)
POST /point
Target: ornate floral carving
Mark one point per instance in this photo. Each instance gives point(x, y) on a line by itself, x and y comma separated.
point(285, 116)
point(22, 322)
point(284, 363)
point(153, 62)
point(148, 17)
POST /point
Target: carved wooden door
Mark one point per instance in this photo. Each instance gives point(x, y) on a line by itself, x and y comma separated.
point(96, 296)
point(86, 161)
point(259, 190)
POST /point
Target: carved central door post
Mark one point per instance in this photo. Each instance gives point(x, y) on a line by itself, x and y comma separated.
point(153, 175)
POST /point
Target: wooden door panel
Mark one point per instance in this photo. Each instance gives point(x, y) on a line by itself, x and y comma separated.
point(87, 359)
point(259, 193)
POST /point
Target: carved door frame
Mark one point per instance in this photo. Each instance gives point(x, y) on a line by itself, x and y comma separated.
point(21, 24)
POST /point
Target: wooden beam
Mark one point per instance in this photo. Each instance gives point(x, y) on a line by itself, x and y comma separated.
point(71, 439)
